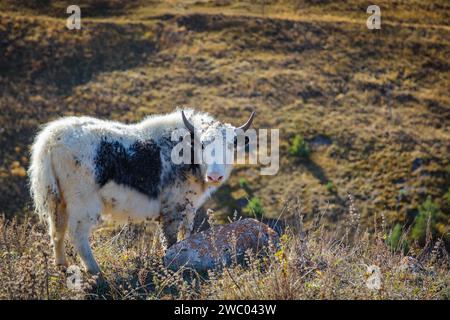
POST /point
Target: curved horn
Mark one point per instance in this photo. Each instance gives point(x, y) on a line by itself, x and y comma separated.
point(248, 123)
point(188, 125)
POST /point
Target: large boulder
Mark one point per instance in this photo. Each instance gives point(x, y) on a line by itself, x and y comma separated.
point(220, 245)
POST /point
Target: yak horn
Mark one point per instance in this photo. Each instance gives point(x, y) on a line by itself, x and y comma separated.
point(188, 125)
point(248, 123)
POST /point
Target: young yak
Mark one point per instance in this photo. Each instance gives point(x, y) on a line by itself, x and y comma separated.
point(84, 170)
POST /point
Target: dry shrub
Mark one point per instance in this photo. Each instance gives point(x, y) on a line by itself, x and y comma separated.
point(313, 263)
point(26, 264)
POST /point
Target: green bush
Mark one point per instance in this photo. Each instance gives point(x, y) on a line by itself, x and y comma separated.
point(254, 207)
point(395, 240)
point(331, 188)
point(428, 211)
point(299, 147)
point(243, 183)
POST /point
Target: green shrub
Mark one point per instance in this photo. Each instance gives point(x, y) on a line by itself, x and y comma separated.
point(396, 241)
point(299, 147)
point(428, 211)
point(254, 207)
point(331, 188)
point(243, 183)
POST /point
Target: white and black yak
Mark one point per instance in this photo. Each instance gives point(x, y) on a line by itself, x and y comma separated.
point(84, 170)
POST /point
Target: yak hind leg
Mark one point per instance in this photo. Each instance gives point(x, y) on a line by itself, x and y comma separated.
point(58, 227)
point(81, 222)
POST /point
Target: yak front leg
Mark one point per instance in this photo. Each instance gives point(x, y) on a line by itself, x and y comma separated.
point(187, 223)
point(169, 229)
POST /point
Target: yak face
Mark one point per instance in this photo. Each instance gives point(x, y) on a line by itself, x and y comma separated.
point(216, 145)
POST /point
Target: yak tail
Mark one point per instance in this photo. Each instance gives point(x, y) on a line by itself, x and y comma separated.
point(43, 183)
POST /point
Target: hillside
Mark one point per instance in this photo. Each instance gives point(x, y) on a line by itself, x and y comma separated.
point(372, 105)
point(364, 180)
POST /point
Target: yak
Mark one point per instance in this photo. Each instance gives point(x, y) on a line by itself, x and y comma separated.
point(85, 170)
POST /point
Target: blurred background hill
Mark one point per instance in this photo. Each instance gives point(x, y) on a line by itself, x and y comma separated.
point(360, 112)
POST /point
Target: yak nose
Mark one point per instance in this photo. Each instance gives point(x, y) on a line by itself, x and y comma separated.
point(214, 177)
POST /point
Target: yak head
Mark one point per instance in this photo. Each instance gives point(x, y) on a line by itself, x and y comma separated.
point(217, 145)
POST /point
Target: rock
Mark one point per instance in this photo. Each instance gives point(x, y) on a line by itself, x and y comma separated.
point(216, 247)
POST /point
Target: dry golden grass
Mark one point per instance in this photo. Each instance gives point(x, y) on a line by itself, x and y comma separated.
point(310, 262)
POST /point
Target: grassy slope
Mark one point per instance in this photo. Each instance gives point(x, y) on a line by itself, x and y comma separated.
point(380, 98)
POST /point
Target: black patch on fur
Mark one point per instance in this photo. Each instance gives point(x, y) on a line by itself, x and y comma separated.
point(138, 167)
point(175, 172)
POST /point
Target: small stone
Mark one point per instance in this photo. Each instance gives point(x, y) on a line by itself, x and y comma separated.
point(217, 247)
